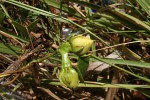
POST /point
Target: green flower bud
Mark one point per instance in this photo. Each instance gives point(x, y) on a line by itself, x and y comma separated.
point(69, 77)
point(80, 44)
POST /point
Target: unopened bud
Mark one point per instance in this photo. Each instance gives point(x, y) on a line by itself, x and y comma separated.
point(80, 44)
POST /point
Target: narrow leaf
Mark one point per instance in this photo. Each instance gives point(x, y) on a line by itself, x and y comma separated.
point(22, 30)
point(9, 49)
point(145, 5)
point(33, 25)
point(83, 63)
point(128, 62)
point(2, 16)
point(128, 18)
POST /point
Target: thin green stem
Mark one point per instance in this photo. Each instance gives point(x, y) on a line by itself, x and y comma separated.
point(47, 56)
point(90, 84)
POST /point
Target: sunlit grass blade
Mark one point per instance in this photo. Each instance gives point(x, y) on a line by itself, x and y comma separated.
point(122, 69)
point(126, 18)
point(145, 5)
point(128, 62)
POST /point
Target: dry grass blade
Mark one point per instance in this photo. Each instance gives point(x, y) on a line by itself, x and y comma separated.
point(16, 64)
point(49, 93)
point(10, 82)
point(5, 58)
point(7, 35)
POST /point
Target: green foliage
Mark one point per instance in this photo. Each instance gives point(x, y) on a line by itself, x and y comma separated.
point(2, 17)
point(31, 34)
point(10, 49)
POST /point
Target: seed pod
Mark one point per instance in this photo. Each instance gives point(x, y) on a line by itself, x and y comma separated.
point(80, 44)
point(69, 77)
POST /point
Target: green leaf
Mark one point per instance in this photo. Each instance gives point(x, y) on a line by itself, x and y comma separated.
point(2, 16)
point(83, 63)
point(22, 30)
point(33, 25)
point(9, 49)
